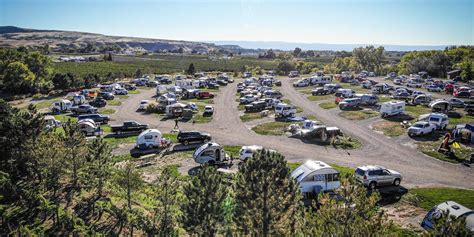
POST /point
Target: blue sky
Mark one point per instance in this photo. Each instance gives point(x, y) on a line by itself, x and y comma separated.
point(405, 22)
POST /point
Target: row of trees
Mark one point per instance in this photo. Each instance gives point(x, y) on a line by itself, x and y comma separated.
point(57, 183)
point(367, 58)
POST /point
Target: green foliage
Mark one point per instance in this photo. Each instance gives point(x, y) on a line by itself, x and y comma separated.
point(467, 70)
point(266, 198)
point(272, 128)
point(204, 208)
point(328, 105)
point(17, 77)
point(284, 67)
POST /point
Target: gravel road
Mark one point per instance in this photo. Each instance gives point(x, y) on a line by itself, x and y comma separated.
point(227, 128)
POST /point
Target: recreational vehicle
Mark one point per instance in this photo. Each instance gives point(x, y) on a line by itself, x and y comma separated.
point(150, 138)
point(210, 153)
point(61, 106)
point(392, 108)
point(316, 176)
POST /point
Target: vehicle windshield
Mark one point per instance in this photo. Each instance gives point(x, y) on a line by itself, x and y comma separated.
point(360, 172)
point(419, 125)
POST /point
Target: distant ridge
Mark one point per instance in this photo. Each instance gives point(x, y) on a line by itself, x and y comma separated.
point(14, 29)
point(322, 46)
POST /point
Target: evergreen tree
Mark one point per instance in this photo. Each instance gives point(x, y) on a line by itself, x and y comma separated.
point(99, 157)
point(267, 199)
point(204, 210)
point(138, 73)
point(74, 143)
point(191, 69)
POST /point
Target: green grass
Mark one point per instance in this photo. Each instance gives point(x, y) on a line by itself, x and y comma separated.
point(123, 97)
point(171, 136)
point(311, 117)
point(134, 92)
point(116, 141)
point(114, 102)
point(384, 98)
point(319, 97)
point(328, 105)
point(430, 197)
point(241, 107)
point(206, 101)
point(250, 116)
point(357, 89)
point(430, 148)
point(232, 150)
point(292, 165)
point(46, 103)
point(199, 118)
point(119, 158)
point(272, 128)
point(107, 111)
point(106, 128)
point(391, 129)
point(469, 119)
point(416, 111)
point(347, 143)
point(358, 115)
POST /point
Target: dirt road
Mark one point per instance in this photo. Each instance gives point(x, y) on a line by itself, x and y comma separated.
point(227, 128)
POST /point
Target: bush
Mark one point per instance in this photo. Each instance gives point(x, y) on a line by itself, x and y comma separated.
point(152, 108)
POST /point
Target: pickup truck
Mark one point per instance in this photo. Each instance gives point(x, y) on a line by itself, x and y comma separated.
point(84, 109)
point(421, 128)
point(129, 126)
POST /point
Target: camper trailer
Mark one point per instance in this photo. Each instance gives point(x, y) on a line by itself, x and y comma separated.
point(392, 108)
point(161, 89)
point(440, 120)
point(464, 133)
point(61, 106)
point(210, 153)
point(440, 106)
point(51, 122)
point(78, 99)
point(151, 138)
point(185, 84)
point(88, 127)
point(175, 110)
point(316, 176)
point(320, 80)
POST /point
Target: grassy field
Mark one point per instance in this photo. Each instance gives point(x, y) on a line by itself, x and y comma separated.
point(272, 128)
point(250, 116)
point(416, 111)
point(159, 64)
point(232, 150)
point(391, 129)
point(116, 141)
point(196, 100)
point(430, 197)
point(430, 148)
point(328, 105)
point(359, 114)
point(357, 89)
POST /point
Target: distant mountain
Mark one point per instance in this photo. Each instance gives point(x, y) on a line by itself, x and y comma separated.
point(71, 41)
point(321, 46)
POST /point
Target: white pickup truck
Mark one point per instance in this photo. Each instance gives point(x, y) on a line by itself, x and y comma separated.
point(421, 128)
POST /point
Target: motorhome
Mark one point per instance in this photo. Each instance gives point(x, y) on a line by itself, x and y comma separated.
point(316, 176)
point(185, 83)
point(392, 108)
point(61, 106)
point(210, 153)
point(150, 138)
point(285, 110)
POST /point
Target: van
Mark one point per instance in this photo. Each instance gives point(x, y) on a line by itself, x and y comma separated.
point(248, 151)
point(440, 120)
point(392, 108)
point(345, 93)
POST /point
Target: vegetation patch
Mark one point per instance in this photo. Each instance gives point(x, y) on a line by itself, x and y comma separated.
point(107, 111)
point(65, 118)
point(114, 102)
point(233, 151)
point(200, 118)
point(345, 142)
point(116, 141)
point(427, 198)
point(384, 98)
point(391, 129)
point(328, 105)
point(173, 137)
point(123, 97)
point(272, 128)
point(358, 115)
point(430, 148)
point(134, 92)
point(416, 111)
point(206, 101)
point(250, 116)
point(319, 97)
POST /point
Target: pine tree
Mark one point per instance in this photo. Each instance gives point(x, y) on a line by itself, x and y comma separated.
point(191, 69)
point(267, 199)
point(204, 210)
point(99, 157)
point(75, 144)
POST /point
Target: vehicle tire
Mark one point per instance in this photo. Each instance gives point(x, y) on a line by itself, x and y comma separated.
point(373, 185)
point(205, 140)
point(396, 182)
point(186, 142)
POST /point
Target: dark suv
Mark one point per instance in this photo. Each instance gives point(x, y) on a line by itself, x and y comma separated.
point(106, 95)
point(256, 106)
point(319, 91)
point(98, 102)
point(98, 118)
point(193, 136)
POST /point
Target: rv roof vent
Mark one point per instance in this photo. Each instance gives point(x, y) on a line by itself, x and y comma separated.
point(455, 207)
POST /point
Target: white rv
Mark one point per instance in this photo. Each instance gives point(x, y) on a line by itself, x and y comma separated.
point(161, 89)
point(392, 108)
point(150, 138)
point(440, 120)
point(210, 153)
point(61, 106)
point(185, 84)
point(320, 80)
point(78, 99)
point(284, 110)
point(316, 176)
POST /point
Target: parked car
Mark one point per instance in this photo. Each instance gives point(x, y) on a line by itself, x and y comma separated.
point(212, 86)
point(186, 137)
point(457, 103)
point(332, 88)
point(248, 99)
point(129, 126)
point(129, 87)
point(221, 82)
point(106, 95)
point(421, 128)
point(345, 93)
point(143, 104)
point(98, 102)
point(462, 94)
point(84, 109)
point(247, 151)
point(367, 99)
point(454, 209)
point(208, 110)
point(301, 83)
point(293, 74)
point(205, 95)
point(256, 106)
point(433, 88)
point(319, 91)
point(376, 176)
point(121, 91)
point(152, 83)
point(350, 103)
point(97, 118)
point(401, 95)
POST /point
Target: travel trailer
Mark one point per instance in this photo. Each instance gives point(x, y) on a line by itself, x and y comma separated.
point(88, 127)
point(78, 99)
point(320, 80)
point(210, 153)
point(392, 108)
point(440, 106)
point(175, 110)
point(61, 106)
point(316, 176)
point(151, 138)
point(440, 120)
